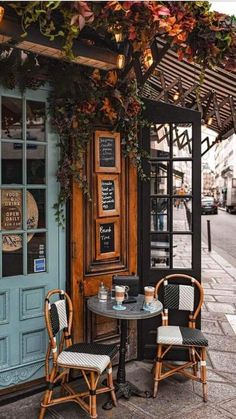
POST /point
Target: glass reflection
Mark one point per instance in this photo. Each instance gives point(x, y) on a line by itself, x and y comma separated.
point(11, 210)
point(12, 255)
point(12, 163)
point(159, 182)
point(160, 251)
point(36, 253)
point(160, 141)
point(11, 118)
point(159, 214)
point(182, 251)
point(182, 140)
point(182, 178)
point(36, 165)
point(35, 121)
point(182, 214)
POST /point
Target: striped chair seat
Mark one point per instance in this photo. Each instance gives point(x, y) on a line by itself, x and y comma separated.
point(91, 356)
point(178, 335)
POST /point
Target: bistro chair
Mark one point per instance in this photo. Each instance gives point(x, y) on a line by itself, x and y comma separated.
point(180, 297)
point(90, 358)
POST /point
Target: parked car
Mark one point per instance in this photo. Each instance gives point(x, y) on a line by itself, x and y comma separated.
point(209, 205)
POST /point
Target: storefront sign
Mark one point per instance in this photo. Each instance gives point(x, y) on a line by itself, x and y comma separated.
point(107, 152)
point(108, 195)
point(12, 217)
point(39, 265)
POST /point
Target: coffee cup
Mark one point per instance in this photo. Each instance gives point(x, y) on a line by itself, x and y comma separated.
point(149, 294)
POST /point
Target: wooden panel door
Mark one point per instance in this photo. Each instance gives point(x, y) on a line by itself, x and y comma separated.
point(169, 206)
point(109, 212)
point(31, 243)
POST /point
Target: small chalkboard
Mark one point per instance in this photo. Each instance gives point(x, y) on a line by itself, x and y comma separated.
point(108, 195)
point(107, 238)
point(107, 152)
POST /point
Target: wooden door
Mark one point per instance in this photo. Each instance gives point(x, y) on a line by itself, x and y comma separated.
point(169, 206)
point(103, 230)
point(31, 245)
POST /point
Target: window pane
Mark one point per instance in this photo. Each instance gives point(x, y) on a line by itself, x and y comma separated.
point(11, 209)
point(160, 141)
point(182, 177)
point(36, 155)
point(159, 178)
point(11, 118)
point(182, 251)
point(159, 214)
point(182, 140)
point(36, 208)
point(35, 122)
point(160, 251)
point(12, 255)
point(12, 163)
point(182, 214)
point(36, 253)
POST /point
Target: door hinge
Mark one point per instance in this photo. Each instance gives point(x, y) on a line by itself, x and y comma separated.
point(81, 287)
point(73, 250)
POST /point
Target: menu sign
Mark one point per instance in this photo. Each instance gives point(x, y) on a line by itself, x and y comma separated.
point(108, 195)
point(11, 210)
point(107, 243)
point(107, 152)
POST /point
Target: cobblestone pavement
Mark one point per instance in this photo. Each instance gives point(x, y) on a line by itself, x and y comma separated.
point(177, 398)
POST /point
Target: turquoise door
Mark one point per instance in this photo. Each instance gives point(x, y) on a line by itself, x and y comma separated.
point(31, 243)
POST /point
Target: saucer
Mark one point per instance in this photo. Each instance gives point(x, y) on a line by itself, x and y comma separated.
point(119, 308)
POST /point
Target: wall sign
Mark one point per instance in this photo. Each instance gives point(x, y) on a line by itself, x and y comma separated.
point(12, 217)
point(39, 265)
point(108, 195)
point(107, 238)
point(107, 152)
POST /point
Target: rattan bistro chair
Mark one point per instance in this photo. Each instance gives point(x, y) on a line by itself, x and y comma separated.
point(180, 297)
point(91, 359)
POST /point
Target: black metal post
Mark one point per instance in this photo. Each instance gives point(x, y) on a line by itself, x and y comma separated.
point(209, 235)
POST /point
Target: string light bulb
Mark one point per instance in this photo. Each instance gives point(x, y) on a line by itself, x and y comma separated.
point(2, 10)
point(210, 120)
point(147, 58)
point(118, 35)
point(176, 96)
point(120, 61)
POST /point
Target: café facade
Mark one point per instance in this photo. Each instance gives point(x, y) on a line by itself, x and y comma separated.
point(129, 223)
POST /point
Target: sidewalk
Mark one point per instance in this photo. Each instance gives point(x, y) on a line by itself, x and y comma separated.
point(178, 398)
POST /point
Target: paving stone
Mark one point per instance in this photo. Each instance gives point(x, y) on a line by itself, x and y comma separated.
point(223, 361)
point(211, 291)
point(211, 326)
point(226, 298)
point(224, 343)
point(210, 315)
point(220, 307)
point(218, 392)
point(227, 329)
point(230, 407)
point(206, 411)
point(209, 298)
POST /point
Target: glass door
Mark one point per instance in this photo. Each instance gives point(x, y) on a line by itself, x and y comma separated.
point(169, 207)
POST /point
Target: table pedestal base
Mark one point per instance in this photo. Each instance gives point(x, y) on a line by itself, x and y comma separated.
point(126, 390)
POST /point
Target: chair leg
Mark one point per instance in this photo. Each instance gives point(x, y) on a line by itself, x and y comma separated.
point(110, 384)
point(47, 394)
point(204, 374)
point(93, 397)
point(193, 359)
point(157, 370)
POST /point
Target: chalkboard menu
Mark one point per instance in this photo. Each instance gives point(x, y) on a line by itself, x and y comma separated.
point(107, 238)
point(107, 152)
point(108, 194)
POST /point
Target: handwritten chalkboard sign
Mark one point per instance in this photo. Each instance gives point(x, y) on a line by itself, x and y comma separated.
point(107, 238)
point(107, 152)
point(108, 195)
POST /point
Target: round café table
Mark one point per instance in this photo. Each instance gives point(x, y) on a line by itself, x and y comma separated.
point(134, 311)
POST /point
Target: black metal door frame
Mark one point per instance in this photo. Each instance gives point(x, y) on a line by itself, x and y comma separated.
point(162, 113)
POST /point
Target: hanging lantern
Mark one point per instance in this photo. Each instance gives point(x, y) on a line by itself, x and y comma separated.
point(147, 58)
point(120, 63)
point(210, 120)
point(176, 96)
point(2, 10)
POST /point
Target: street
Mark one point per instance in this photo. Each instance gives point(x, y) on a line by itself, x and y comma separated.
point(223, 234)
